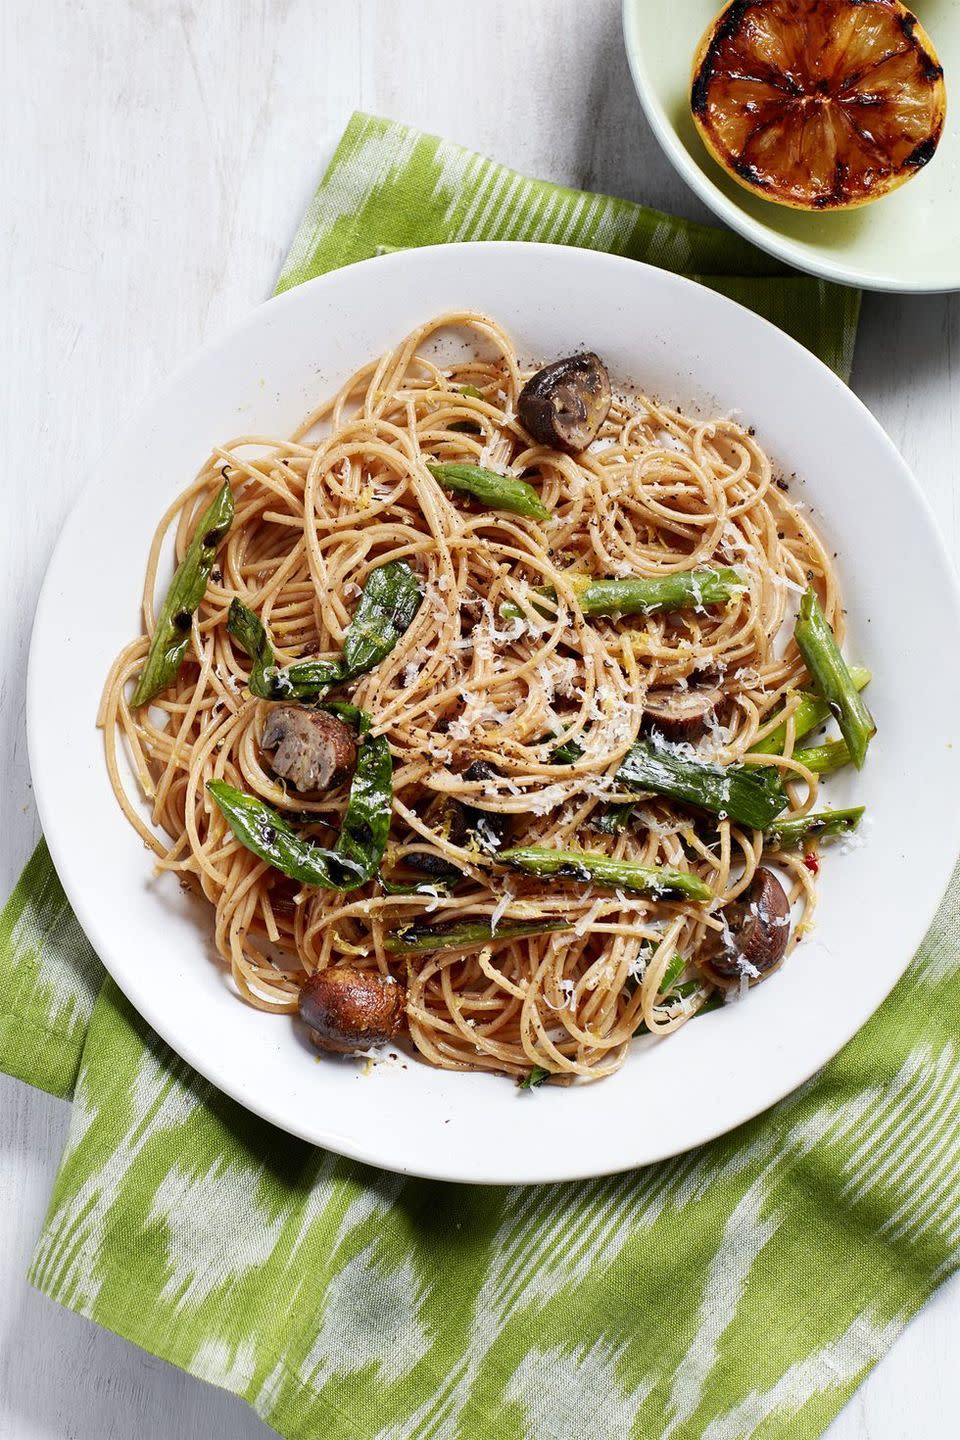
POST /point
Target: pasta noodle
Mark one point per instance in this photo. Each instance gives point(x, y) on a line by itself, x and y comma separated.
point(658, 493)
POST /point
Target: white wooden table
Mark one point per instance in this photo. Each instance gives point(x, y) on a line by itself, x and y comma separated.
point(155, 158)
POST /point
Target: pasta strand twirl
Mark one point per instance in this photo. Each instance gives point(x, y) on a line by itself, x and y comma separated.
point(500, 665)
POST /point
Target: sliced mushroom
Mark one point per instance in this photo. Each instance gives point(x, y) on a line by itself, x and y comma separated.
point(565, 404)
point(758, 931)
point(312, 749)
point(487, 829)
point(680, 714)
point(349, 1010)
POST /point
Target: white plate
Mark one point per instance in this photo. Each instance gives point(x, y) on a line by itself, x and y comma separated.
point(680, 342)
point(906, 241)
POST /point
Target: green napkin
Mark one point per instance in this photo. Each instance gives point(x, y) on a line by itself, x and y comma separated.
point(741, 1290)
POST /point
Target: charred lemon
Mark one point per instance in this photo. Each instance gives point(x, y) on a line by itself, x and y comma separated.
point(818, 104)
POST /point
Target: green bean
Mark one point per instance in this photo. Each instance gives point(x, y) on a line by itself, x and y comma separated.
point(688, 590)
point(171, 632)
point(614, 819)
point(638, 595)
point(811, 712)
point(593, 867)
point(671, 974)
point(500, 492)
point(824, 759)
point(826, 825)
point(441, 885)
point(832, 678)
point(568, 752)
point(303, 681)
point(468, 427)
point(466, 935)
point(349, 714)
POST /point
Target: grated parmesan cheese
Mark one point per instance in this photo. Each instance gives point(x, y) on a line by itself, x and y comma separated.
point(500, 910)
point(587, 919)
point(783, 582)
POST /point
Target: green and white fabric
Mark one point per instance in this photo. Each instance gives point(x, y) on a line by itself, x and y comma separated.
point(741, 1290)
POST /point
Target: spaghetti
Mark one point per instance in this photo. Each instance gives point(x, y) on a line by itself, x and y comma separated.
point(499, 667)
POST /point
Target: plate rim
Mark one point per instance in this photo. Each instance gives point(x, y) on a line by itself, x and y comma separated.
point(765, 237)
point(365, 1149)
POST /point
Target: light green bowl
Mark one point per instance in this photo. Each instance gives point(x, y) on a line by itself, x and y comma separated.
point(909, 240)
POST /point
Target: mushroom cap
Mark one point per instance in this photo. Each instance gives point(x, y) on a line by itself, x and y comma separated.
point(564, 404)
point(349, 1010)
point(680, 714)
point(313, 750)
point(759, 929)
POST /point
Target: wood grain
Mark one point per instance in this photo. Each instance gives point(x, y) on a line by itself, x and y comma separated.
point(155, 160)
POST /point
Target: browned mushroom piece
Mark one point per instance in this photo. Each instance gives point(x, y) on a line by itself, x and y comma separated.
point(313, 750)
point(349, 1010)
point(758, 931)
point(565, 404)
point(466, 824)
point(680, 714)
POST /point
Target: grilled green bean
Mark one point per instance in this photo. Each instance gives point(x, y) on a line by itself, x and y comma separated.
point(251, 635)
point(592, 866)
point(613, 819)
point(440, 885)
point(568, 752)
point(171, 632)
point(824, 759)
point(466, 935)
point(687, 590)
point(500, 492)
point(811, 712)
point(831, 676)
point(826, 825)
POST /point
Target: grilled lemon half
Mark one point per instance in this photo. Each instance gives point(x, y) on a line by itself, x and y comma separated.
point(818, 104)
